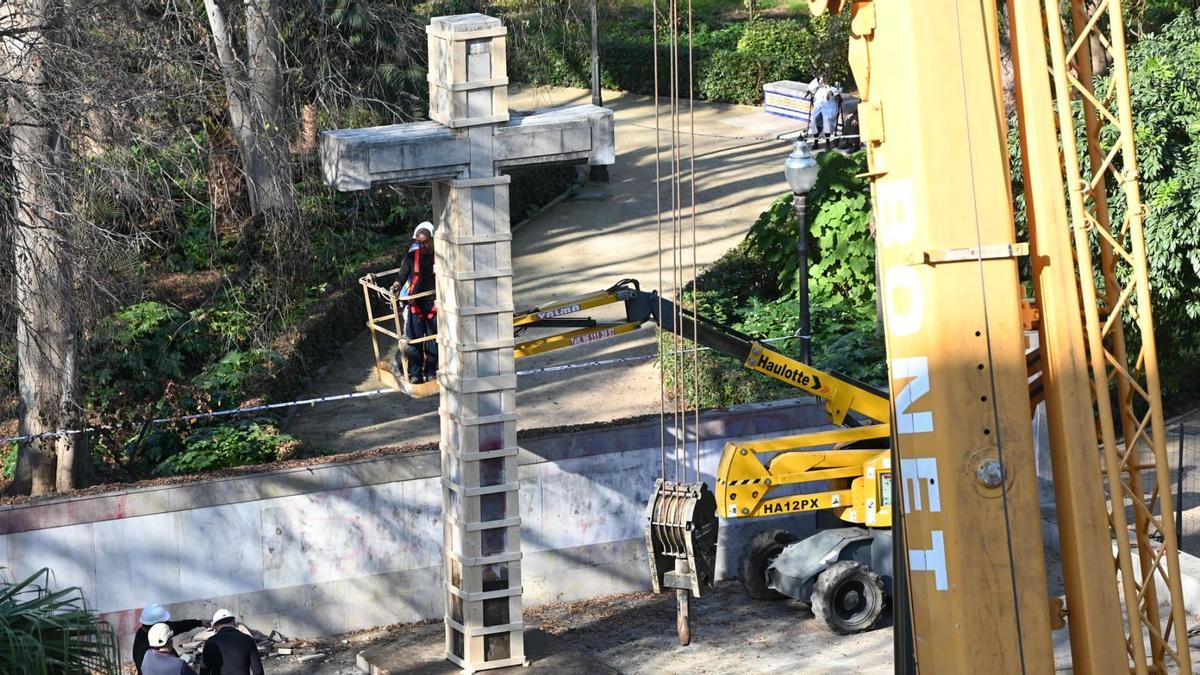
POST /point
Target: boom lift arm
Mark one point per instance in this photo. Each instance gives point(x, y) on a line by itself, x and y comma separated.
point(745, 480)
point(843, 573)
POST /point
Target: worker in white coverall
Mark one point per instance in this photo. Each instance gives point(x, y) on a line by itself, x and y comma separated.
point(823, 120)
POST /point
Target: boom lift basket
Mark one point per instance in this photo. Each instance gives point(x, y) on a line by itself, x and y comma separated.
point(391, 326)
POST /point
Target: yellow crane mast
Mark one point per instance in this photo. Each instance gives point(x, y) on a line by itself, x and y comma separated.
point(969, 571)
point(933, 121)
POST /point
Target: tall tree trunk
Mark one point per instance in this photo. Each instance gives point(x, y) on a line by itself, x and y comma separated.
point(276, 191)
point(47, 323)
point(236, 91)
point(255, 92)
point(306, 141)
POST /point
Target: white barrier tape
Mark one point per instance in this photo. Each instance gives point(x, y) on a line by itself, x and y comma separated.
point(325, 399)
point(198, 416)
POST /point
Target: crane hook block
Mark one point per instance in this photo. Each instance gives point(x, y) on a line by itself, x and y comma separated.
point(681, 536)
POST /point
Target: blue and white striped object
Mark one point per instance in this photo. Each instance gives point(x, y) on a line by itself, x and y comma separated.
point(787, 99)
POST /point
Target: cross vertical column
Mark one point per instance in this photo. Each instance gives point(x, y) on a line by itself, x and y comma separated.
point(469, 139)
point(473, 244)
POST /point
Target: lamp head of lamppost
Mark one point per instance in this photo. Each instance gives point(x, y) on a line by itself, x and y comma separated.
point(800, 169)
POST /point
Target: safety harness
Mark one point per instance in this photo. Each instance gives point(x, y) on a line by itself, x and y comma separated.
point(413, 285)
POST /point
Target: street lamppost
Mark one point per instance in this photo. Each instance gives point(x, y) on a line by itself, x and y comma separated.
point(800, 169)
point(597, 173)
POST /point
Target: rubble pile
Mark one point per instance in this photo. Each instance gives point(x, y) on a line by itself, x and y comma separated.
point(270, 646)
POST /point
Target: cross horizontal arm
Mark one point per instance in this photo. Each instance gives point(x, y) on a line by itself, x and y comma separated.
point(357, 159)
point(556, 136)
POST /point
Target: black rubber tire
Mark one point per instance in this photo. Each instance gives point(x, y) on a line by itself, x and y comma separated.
point(759, 553)
point(848, 597)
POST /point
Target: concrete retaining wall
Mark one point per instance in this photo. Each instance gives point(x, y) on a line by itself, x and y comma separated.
point(339, 547)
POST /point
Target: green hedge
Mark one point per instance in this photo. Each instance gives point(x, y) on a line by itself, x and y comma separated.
point(730, 62)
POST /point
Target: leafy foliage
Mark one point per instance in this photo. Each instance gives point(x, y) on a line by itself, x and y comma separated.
point(1165, 83)
point(754, 287)
point(1164, 72)
point(47, 632)
point(179, 306)
point(8, 467)
point(240, 443)
point(146, 359)
point(136, 350)
point(730, 61)
point(842, 266)
point(735, 76)
point(224, 381)
point(1150, 16)
point(771, 50)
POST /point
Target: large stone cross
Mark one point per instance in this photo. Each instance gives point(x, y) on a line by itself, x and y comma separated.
point(471, 139)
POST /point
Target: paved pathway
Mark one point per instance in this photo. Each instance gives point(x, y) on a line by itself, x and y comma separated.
point(578, 246)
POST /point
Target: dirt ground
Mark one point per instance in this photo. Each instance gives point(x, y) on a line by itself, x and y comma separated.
point(635, 633)
point(731, 633)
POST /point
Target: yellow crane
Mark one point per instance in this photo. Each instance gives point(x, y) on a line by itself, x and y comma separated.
point(970, 570)
point(934, 125)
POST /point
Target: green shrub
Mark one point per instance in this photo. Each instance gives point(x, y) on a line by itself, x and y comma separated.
point(234, 317)
point(774, 40)
point(136, 350)
point(47, 632)
point(729, 62)
point(841, 249)
point(846, 341)
point(1164, 73)
point(224, 381)
point(753, 288)
point(736, 77)
point(198, 249)
point(341, 253)
point(8, 467)
point(240, 443)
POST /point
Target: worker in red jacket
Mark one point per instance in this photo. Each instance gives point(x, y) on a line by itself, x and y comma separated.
point(420, 314)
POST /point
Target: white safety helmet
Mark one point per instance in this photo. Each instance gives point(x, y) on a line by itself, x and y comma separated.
point(152, 614)
point(160, 635)
point(221, 615)
point(427, 226)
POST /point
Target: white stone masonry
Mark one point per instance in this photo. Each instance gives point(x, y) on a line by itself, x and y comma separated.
point(472, 139)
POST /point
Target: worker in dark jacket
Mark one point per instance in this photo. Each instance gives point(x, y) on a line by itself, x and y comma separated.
point(160, 659)
point(230, 651)
point(420, 315)
point(151, 615)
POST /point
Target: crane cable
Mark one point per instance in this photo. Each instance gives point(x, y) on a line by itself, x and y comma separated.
point(670, 355)
point(662, 382)
point(999, 436)
point(695, 276)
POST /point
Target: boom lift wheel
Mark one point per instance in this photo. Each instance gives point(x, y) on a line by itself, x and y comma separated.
point(758, 556)
point(848, 597)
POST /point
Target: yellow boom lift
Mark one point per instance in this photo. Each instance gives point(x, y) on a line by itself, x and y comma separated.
point(555, 315)
point(844, 573)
